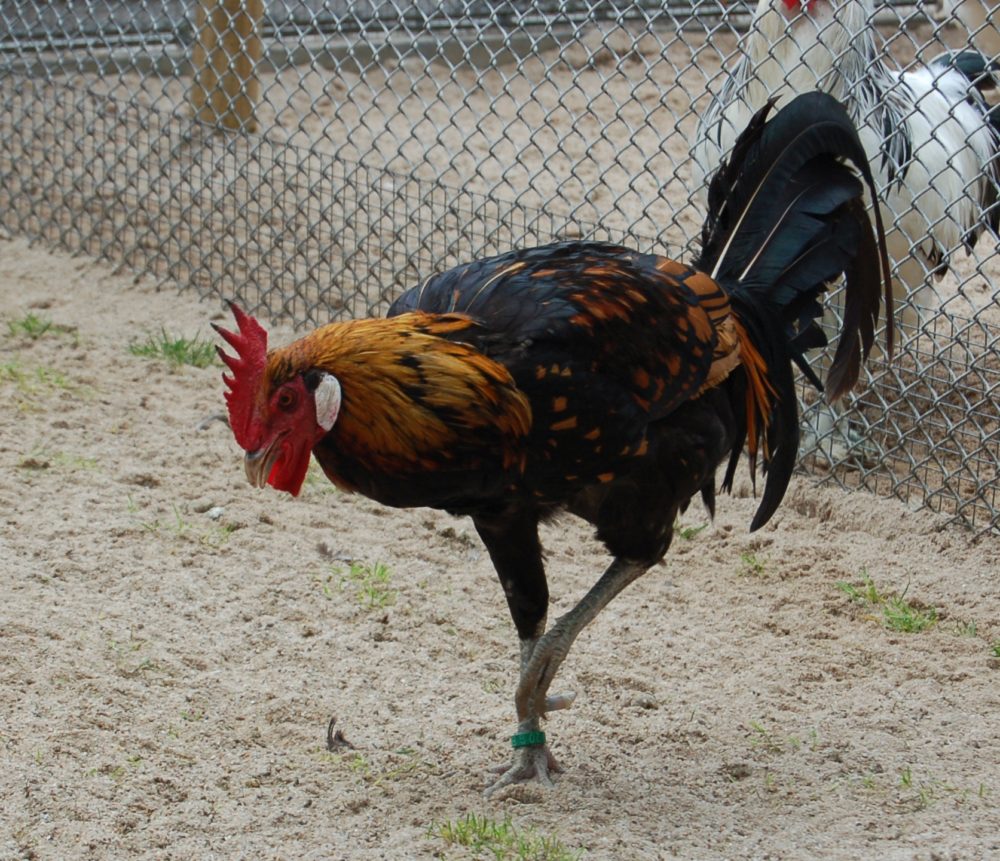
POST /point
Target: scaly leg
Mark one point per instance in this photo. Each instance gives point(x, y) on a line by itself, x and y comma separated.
point(541, 660)
point(531, 761)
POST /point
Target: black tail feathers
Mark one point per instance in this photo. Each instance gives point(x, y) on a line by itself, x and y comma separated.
point(786, 218)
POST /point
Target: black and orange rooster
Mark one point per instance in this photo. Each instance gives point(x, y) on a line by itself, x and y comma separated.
point(585, 377)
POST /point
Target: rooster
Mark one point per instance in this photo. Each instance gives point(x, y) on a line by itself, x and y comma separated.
point(584, 377)
point(930, 133)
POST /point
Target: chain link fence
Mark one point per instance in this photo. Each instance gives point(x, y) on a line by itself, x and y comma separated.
point(315, 158)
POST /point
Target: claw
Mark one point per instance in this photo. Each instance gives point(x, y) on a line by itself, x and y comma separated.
point(555, 702)
point(530, 763)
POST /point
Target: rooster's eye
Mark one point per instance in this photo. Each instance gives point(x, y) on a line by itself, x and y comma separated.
point(286, 399)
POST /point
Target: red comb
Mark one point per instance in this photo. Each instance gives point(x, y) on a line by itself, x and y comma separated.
point(248, 372)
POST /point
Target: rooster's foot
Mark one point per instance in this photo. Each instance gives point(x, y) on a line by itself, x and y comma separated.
point(530, 763)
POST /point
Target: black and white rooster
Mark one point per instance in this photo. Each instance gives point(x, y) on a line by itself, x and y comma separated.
point(928, 133)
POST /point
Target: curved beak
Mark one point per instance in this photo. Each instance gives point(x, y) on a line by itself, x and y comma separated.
point(258, 464)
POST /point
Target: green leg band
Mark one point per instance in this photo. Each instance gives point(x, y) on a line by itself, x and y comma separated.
point(527, 739)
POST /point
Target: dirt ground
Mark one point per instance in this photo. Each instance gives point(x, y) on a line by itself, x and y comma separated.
point(174, 644)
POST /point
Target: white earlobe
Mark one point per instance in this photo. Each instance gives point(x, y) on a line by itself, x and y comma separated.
point(327, 398)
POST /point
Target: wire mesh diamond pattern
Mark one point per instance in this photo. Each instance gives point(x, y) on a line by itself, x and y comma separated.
point(315, 158)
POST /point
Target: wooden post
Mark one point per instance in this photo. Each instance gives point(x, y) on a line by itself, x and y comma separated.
point(229, 47)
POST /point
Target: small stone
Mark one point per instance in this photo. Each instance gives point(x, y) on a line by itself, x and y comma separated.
point(644, 701)
point(736, 770)
point(215, 512)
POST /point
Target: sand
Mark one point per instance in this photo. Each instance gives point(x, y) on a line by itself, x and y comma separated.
point(175, 643)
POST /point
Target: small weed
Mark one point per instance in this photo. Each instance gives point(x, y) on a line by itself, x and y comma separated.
point(371, 584)
point(31, 382)
point(402, 762)
point(995, 649)
point(32, 326)
point(866, 594)
point(147, 665)
point(317, 480)
point(966, 629)
point(764, 738)
point(40, 459)
point(12, 372)
point(116, 772)
point(492, 686)
point(212, 536)
point(325, 584)
point(688, 533)
point(175, 351)
point(904, 617)
point(357, 764)
point(752, 566)
point(926, 793)
point(125, 653)
point(180, 525)
point(216, 536)
point(486, 837)
point(897, 613)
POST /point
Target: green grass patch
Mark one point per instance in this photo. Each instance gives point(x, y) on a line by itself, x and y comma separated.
point(894, 611)
point(31, 381)
point(770, 741)
point(176, 351)
point(689, 533)
point(488, 838)
point(395, 766)
point(752, 565)
point(41, 460)
point(34, 327)
point(370, 584)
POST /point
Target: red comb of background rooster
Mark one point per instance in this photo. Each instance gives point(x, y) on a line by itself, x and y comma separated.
point(248, 372)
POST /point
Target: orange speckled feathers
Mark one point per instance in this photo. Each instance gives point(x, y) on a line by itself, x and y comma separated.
point(412, 400)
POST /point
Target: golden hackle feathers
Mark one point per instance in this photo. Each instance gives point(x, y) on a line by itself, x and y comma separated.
point(409, 395)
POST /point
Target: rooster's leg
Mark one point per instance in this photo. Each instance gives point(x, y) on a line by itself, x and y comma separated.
point(551, 649)
point(516, 553)
point(541, 660)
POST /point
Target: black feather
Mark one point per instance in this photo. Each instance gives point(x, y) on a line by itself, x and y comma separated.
point(785, 220)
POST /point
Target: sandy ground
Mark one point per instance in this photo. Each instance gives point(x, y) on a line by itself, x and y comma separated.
point(167, 677)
